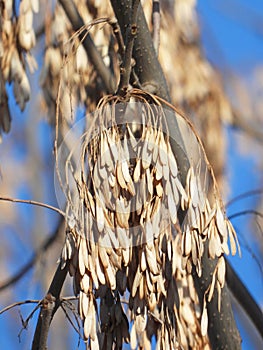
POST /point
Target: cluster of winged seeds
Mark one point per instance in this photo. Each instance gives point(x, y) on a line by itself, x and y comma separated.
point(139, 228)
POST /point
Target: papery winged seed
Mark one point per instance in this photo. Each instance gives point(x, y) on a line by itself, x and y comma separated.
point(224, 245)
point(93, 318)
point(133, 337)
point(84, 302)
point(122, 237)
point(120, 176)
point(132, 139)
point(63, 257)
point(149, 182)
point(100, 220)
point(221, 271)
point(184, 198)
point(220, 222)
point(100, 272)
point(172, 161)
point(112, 179)
point(146, 156)
point(103, 148)
point(231, 239)
point(104, 258)
point(149, 281)
point(186, 242)
point(93, 273)
point(211, 287)
point(143, 261)
point(91, 203)
point(194, 249)
point(212, 243)
point(115, 260)
point(96, 175)
point(159, 170)
point(140, 323)
point(141, 293)
point(87, 325)
point(122, 214)
point(155, 153)
point(102, 171)
point(235, 236)
point(151, 141)
point(83, 257)
point(137, 171)
point(159, 189)
point(204, 321)
point(162, 150)
point(166, 172)
point(172, 208)
point(131, 188)
point(148, 231)
point(193, 189)
point(86, 284)
point(113, 237)
point(126, 152)
point(151, 260)
point(160, 285)
point(126, 256)
point(209, 215)
point(136, 281)
point(111, 277)
point(125, 171)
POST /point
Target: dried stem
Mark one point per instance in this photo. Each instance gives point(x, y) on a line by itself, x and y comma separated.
point(126, 66)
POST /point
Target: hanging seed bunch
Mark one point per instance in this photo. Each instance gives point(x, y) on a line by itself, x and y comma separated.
point(137, 228)
point(17, 38)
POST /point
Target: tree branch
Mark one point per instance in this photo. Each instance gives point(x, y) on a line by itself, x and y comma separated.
point(48, 309)
point(126, 66)
point(244, 298)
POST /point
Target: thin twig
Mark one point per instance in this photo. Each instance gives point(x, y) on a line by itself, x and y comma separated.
point(156, 22)
point(29, 201)
point(39, 252)
point(245, 212)
point(126, 66)
point(244, 195)
point(18, 303)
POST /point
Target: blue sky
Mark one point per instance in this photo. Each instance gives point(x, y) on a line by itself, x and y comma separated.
point(233, 41)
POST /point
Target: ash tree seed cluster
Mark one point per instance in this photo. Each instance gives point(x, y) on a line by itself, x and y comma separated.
point(126, 237)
